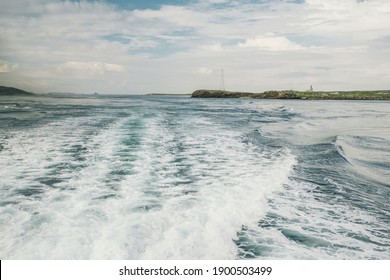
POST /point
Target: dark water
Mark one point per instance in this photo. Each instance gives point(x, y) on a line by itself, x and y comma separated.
point(146, 177)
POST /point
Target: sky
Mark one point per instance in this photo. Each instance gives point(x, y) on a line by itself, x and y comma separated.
point(178, 46)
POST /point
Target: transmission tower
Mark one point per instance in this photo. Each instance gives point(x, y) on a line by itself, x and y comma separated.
point(222, 81)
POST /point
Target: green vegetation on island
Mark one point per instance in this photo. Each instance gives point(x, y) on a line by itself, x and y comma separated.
point(13, 91)
point(294, 94)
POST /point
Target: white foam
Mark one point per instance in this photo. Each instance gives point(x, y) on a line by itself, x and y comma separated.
point(231, 185)
point(42, 222)
point(156, 211)
point(336, 228)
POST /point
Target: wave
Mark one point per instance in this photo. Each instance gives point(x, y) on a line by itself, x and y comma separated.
point(140, 178)
point(369, 156)
point(326, 210)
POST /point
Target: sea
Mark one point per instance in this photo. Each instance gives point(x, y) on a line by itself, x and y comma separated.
point(176, 178)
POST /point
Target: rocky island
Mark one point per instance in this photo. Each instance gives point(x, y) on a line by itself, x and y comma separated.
point(294, 94)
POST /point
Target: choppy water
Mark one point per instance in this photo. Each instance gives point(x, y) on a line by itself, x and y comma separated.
point(146, 177)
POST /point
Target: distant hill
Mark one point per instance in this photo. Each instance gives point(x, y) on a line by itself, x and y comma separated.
point(13, 91)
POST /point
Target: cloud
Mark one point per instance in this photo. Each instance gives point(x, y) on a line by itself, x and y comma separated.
point(80, 45)
point(271, 43)
point(216, 47)
point(92, 68)
point(22, 7)
point(7, 67)
point(204, 71)
point(4, 68)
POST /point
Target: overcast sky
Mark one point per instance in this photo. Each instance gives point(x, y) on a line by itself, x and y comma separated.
point(137, 47)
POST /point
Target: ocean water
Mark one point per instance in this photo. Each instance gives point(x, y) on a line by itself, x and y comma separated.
point(158, 177)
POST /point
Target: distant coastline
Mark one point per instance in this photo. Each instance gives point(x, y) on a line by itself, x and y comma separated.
point(13, 91)
point(294, 94)
point(271, 94)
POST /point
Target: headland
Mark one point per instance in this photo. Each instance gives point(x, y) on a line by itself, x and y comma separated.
point(13, 91)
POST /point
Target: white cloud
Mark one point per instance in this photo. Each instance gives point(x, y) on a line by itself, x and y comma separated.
point(216, 47)
point(271, 43)
point(92, 68)
point(204, 71)
point(6, 67)
point(172, 16)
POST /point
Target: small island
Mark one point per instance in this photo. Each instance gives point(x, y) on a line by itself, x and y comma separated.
point(294, 94)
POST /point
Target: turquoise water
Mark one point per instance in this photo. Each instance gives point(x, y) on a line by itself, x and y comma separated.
point(157, 177)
